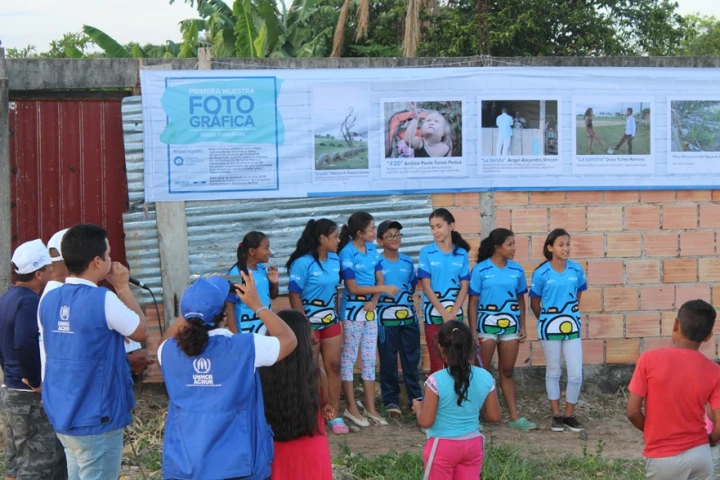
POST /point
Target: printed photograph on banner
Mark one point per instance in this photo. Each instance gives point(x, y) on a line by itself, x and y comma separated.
point(694, 136)
point(340, 126)
point(613, 135)
point(518, 136)
point(423, 138)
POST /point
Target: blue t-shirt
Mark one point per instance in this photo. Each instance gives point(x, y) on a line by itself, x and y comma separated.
point(498, 289)
point(317, 282)
point(558, 294)
point(360, 267)
point(445, 271)
point(400, 273)
point(19, 334)
point(247, 321)
point(451, 420)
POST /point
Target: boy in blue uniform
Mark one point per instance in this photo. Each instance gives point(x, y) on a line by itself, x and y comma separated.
point(399, 329)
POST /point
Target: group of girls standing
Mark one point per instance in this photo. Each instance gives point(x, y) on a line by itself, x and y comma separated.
point(377, 299)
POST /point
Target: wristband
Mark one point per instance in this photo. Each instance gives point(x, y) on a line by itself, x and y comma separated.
point(257, 312)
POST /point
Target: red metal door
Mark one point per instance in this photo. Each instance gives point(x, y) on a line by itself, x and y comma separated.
point(67, 166)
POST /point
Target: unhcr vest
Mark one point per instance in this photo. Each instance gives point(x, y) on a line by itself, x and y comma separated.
point(215, 428)
point(87, 388)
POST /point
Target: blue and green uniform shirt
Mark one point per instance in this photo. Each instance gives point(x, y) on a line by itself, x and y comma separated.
point(498, 290)
point(400, 273)
point(360, 267)
point(247, 321)
point(317, 282)
point(445, 271)
point(558, 294)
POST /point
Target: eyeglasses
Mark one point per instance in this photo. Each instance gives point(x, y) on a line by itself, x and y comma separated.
point(396, 236)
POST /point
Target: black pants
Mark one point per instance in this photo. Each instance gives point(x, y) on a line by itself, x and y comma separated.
point(629, 139)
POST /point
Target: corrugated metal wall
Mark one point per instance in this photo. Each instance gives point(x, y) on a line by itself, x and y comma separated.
point(216, 227)
point(67, 166)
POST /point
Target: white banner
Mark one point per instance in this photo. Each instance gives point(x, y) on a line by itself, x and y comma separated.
point(225, 134)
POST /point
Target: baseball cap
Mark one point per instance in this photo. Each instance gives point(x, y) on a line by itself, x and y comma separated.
point(31, 257)
point(387, 225)
point(205, 299)
point(55, 242)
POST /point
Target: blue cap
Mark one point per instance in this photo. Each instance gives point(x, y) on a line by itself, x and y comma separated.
point(205, 299)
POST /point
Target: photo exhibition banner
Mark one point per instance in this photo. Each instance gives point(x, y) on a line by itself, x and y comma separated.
point(269, 133)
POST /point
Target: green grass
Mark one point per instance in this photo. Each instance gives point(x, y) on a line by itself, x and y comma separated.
point(500, 463)
point(610, 136)
point(357, 162)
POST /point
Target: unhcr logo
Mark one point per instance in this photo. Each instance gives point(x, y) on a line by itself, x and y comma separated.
point(64, 322)
point(202, 377)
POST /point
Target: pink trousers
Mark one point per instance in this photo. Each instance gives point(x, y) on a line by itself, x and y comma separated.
point(447, 459)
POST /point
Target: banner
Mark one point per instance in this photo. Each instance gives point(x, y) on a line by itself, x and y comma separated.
point(234, 134)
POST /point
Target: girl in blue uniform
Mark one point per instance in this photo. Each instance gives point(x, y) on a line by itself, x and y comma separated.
point(444, 273)
point(496, 311)
point(557, 285)
point(314, 270)
point(216, 424)
point(363, 287)
point(253, 253)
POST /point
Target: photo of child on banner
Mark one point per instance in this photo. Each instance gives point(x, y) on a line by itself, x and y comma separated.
point(436, 128)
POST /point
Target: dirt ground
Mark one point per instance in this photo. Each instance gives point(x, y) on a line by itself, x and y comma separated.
point(602, 415)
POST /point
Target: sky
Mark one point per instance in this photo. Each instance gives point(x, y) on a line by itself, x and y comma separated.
point(37, 22)
point(330, 106)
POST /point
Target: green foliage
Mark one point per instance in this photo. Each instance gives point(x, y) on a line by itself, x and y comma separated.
point(109, 45)
point(702, 36)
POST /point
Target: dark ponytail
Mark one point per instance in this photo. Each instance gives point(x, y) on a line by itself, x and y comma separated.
point(456, 238)
point(357, 222)
point(309, 241)
point(194, 337)
point(456, 341)
point(550, 241)
point(496, 239)
point(251, 240)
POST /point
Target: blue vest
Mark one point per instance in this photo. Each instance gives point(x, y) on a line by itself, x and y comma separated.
point(87, 387)
point(215, 427)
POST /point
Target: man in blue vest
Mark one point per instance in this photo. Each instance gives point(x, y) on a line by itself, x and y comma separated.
point(87, 388)
point(27, 430)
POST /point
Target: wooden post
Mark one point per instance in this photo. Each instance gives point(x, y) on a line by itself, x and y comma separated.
point(5, 215)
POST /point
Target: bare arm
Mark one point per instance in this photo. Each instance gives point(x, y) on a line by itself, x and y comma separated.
point(355, 289)
point(491, 408)
point(715, 417)
point(460, 300)
point(276, 327)
point(427, 289)
point(634, 411)
point(379, 282)
point(426, 411)
point(411, 129)
point(296, 301)
point(535, 306)
point(472, 314)
point(174, 328)
point(523, 314)
point(119, 279)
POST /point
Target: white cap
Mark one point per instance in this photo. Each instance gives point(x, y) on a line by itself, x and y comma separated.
point(55, 242)
point(31, 257)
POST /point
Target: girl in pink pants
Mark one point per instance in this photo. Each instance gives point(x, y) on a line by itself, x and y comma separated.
point(450, 410)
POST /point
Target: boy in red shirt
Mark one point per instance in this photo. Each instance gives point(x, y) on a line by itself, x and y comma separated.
point(676, 384)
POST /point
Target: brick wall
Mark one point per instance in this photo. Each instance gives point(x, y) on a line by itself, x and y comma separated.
point(644, 253)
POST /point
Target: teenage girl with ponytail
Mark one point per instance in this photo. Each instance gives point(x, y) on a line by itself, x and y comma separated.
point(453, 399)
point(363, 286)
point(557, 285)
point(253, 253)
point(444, 273)
point(496, 312)
point(216, 424)
point(314, 270)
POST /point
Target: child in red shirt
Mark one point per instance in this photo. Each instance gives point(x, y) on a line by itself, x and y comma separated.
point(676, 383)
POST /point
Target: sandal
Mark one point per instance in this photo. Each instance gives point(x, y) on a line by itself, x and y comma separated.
point(360, 422)
point(377, 420)
point(522, 423)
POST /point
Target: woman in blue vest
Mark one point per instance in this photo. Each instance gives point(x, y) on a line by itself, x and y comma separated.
point(253, 253)
point(216, 426)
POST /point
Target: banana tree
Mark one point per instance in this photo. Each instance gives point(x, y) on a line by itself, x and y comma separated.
point(113, 49)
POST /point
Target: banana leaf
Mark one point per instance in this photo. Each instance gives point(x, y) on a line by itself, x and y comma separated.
point(109, 45)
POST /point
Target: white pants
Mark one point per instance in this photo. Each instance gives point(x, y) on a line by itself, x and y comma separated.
point(572, 350)
point(503, 146)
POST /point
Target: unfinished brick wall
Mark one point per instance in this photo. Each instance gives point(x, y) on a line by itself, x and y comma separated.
point(644, 253)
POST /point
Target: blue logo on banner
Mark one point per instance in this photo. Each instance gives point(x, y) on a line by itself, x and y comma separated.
point(178, 161)
point(237, 110)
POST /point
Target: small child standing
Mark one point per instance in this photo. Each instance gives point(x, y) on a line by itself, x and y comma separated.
point(453, 399)
point(399, 331)
point(676, 383)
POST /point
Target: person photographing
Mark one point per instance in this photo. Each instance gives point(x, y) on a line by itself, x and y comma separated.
point(216, 425)
point(86, 387)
